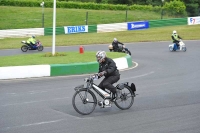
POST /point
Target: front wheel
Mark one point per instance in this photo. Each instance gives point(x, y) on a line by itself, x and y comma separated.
point(40, 48)
point(171, 48)
point(125, 98)
point(24, 48)
point(184, 49)
point(128, 52)
point(84, 101)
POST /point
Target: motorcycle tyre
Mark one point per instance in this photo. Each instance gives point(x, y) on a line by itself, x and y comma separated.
point(74, 103)
point(131, 103)
point(171, 49)
point(128, 52)
point(184, 49)
point(24, 48)
point(40, 48)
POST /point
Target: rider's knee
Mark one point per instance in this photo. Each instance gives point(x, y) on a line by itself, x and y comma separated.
point(106, 84)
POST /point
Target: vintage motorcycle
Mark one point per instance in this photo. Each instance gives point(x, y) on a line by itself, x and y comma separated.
point(122, 48)
point(38, 46)
point(174, 47)
point(85, 98)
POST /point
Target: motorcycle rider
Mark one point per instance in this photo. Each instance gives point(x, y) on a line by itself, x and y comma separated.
point(107, 68)
point(31, 41)
point(115, 44)
point(175, 38)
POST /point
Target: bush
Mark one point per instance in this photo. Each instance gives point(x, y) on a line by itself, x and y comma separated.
point(192, 9)
point(77, 5)
point(175, 7)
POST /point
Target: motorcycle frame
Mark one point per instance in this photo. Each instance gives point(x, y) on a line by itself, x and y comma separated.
point(103, 94)
point(90, 85)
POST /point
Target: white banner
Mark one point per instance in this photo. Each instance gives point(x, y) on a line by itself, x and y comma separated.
point(111, 27)
point(193, 20)
point(76, 29)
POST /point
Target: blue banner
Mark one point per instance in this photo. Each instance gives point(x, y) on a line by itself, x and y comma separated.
point(138, 25)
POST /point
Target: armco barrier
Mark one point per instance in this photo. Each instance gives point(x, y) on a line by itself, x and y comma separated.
point(92, 28)
point(21, 32)
point(49, 31)
point(61, 30)
point(167, 22)
point(58, 69)
point(114, 27)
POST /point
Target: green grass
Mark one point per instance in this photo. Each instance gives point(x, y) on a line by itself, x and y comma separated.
point(152, 34)
point(31, 17)
point(39, 59)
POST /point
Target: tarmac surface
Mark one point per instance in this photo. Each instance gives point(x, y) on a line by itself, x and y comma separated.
point(168, 99)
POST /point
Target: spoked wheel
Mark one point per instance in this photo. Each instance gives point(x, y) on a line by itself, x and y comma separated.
point(24, 48)
point(125, 98)
point(40, 48)
point(84, 101)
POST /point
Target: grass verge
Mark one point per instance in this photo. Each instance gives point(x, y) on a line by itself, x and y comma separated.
point(153, 34)
point(40, 59)
point(31, 17)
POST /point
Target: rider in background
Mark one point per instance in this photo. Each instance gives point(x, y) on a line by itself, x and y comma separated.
point(175, 38)
point(31, 41)
point(115, 44)
point(107, 68)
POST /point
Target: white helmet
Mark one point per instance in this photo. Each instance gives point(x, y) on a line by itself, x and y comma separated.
point(33, 36)
point(174, 32)
point(100, 55)
point(115, 39)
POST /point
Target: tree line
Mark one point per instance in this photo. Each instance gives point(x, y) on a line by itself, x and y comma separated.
point(192, 6)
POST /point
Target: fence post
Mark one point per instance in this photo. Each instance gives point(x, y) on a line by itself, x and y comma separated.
point(126, 14)
point(86, 20)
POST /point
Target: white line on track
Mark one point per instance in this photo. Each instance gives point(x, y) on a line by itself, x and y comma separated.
point(41, 123)
point(138, 76)
point(34, 124)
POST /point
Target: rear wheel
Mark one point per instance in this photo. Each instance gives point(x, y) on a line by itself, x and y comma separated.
point(40, 48)
point(125, 98)
point(24, 48)
point(84, 101)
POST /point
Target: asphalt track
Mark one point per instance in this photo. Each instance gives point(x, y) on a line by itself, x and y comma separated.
point(168, 100)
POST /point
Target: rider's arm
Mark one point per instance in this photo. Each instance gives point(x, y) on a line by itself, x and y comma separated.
point(111, 67)
point(179, 37)
point(99, 71)
point(120, 43)
point(173, 38)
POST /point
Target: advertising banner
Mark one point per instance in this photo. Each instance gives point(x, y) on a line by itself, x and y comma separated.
point(114, 27)
point(193, 20)
point(76, 29)
point(138, 25)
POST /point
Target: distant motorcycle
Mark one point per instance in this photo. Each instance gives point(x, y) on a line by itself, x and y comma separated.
point(174, 47)
point(38, 46)
point(122, 49)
